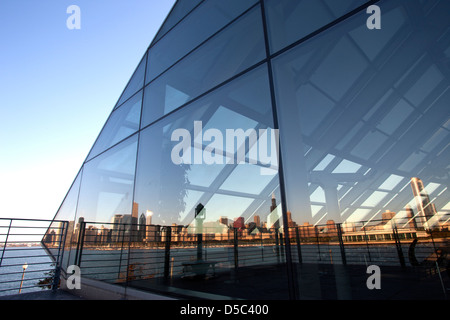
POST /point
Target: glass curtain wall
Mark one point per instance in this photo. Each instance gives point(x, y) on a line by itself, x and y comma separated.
point(258, 141)
point(364, 121)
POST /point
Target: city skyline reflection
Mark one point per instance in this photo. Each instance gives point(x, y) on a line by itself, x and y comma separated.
point(140, 226)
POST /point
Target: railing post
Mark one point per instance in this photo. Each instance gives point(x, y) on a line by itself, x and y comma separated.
point(56, 277)
point(399, 247)
point(367, 242)
point(262, 247)
point(236, 254)
point(199, 246)
point(123, 226)
point(130, 273)
point(167, 252)
point(299, 248)
point(80, 243)
point(434, 245)
point(318, 245)
point(282, 245)
point(59, 260)
point(6, 241)
point(277, 245)
point(341, 244)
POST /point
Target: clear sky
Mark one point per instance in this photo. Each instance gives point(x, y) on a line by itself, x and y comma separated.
point(57, 88)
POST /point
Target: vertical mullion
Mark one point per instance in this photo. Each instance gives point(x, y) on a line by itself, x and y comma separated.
point(290, 268)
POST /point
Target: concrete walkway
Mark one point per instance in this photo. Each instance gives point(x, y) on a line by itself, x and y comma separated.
point(43, 295)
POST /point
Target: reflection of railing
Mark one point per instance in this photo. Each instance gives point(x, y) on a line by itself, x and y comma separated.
point(124, 252)
point(158, 257)
point(24, 263)
point(132, 252)
point(381, 242)
point(135, 253)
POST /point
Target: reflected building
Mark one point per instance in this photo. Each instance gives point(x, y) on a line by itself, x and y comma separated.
point(142, 227)
point(50, 237)
point(223, 220)
point(239, 223)
point(387, 215)
point(257, 220)
point(410, 217)
point(282, 118)
point(426, 209)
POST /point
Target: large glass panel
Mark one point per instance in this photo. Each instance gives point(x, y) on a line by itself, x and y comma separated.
point(178, 12)
point(291, 20)
point(136, 82)
point(231, 51)
point(68, 208)
point(365, 138)
point(216, 154)
point(106, 215)
point(107, 183)
point(203, 22)
point(122, 123)
point(55, 233)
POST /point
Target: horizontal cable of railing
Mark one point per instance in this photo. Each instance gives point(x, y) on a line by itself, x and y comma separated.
point(25, 264)
point(137, 251)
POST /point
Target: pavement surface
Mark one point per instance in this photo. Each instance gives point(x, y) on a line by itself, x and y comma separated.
point(42, 295)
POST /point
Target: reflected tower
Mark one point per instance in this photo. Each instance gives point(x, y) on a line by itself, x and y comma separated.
point(425, 208)
point(273, 206)
point(273, 215)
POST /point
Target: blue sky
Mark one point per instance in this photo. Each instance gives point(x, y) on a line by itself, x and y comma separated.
point(57, 88)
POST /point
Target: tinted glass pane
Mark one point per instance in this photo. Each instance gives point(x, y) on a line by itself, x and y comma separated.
point(232, 107)
point(68, 208)
point(122, 123)
point(198, 156)
point(136, 82)
point(107, 183)
point(178, 12)
point(359, 125)
point(106, 215)
point(203, 22)
point(364, 136)
point(228, 53)
point(66, 212)
point(290, 20)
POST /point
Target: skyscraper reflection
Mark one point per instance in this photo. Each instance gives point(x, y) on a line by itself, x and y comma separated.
point(426, 209)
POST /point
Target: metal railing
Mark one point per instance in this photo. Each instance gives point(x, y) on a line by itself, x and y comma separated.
point(25, 265)
point(124, 252)
point(128, 253)
point(381, 242)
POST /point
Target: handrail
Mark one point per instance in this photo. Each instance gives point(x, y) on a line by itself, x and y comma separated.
point(26, 263)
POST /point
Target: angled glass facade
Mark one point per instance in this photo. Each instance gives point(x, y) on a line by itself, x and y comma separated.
point(274, 149)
